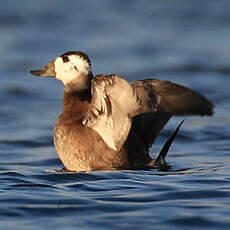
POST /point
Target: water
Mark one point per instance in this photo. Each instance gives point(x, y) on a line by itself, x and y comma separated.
point(183, 41)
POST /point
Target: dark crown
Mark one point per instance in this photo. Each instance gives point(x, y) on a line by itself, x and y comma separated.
point(65, 56)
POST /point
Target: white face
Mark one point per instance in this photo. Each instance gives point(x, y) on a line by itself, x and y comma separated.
point(68, 71)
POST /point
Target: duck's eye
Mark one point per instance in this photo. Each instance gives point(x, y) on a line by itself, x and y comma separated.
point(65, 58)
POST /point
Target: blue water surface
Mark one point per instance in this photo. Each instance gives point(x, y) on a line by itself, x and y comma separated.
point(183, 41)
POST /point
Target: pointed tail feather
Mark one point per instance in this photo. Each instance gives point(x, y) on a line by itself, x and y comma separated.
point(160, 160)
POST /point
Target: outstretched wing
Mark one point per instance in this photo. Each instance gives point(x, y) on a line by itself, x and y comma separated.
point(160, 100)
point(112, 104)
point(142, 108)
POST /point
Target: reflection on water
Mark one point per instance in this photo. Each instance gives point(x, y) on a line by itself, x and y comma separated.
point(186, 42)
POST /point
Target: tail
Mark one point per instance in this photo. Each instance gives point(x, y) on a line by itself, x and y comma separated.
point(160, 160)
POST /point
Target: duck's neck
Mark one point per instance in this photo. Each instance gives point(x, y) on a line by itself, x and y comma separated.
point(77, 96)
point(81, 83)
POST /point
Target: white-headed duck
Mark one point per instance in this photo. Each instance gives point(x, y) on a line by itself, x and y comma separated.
point(109, 123)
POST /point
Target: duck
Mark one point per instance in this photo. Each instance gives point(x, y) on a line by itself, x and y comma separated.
point(108, 123)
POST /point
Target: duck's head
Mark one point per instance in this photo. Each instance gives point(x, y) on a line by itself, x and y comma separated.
point(68, 67)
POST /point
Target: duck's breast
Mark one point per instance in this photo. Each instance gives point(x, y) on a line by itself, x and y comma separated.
point(82, 149)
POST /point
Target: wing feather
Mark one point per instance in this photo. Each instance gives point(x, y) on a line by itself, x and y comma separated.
point(159, 101)
point(112, 103)
point(119, 109)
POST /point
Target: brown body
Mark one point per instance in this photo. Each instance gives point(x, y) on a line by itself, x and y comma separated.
point(79, 147)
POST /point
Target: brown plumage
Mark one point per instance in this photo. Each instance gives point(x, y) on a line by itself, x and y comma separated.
point(115, 126)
